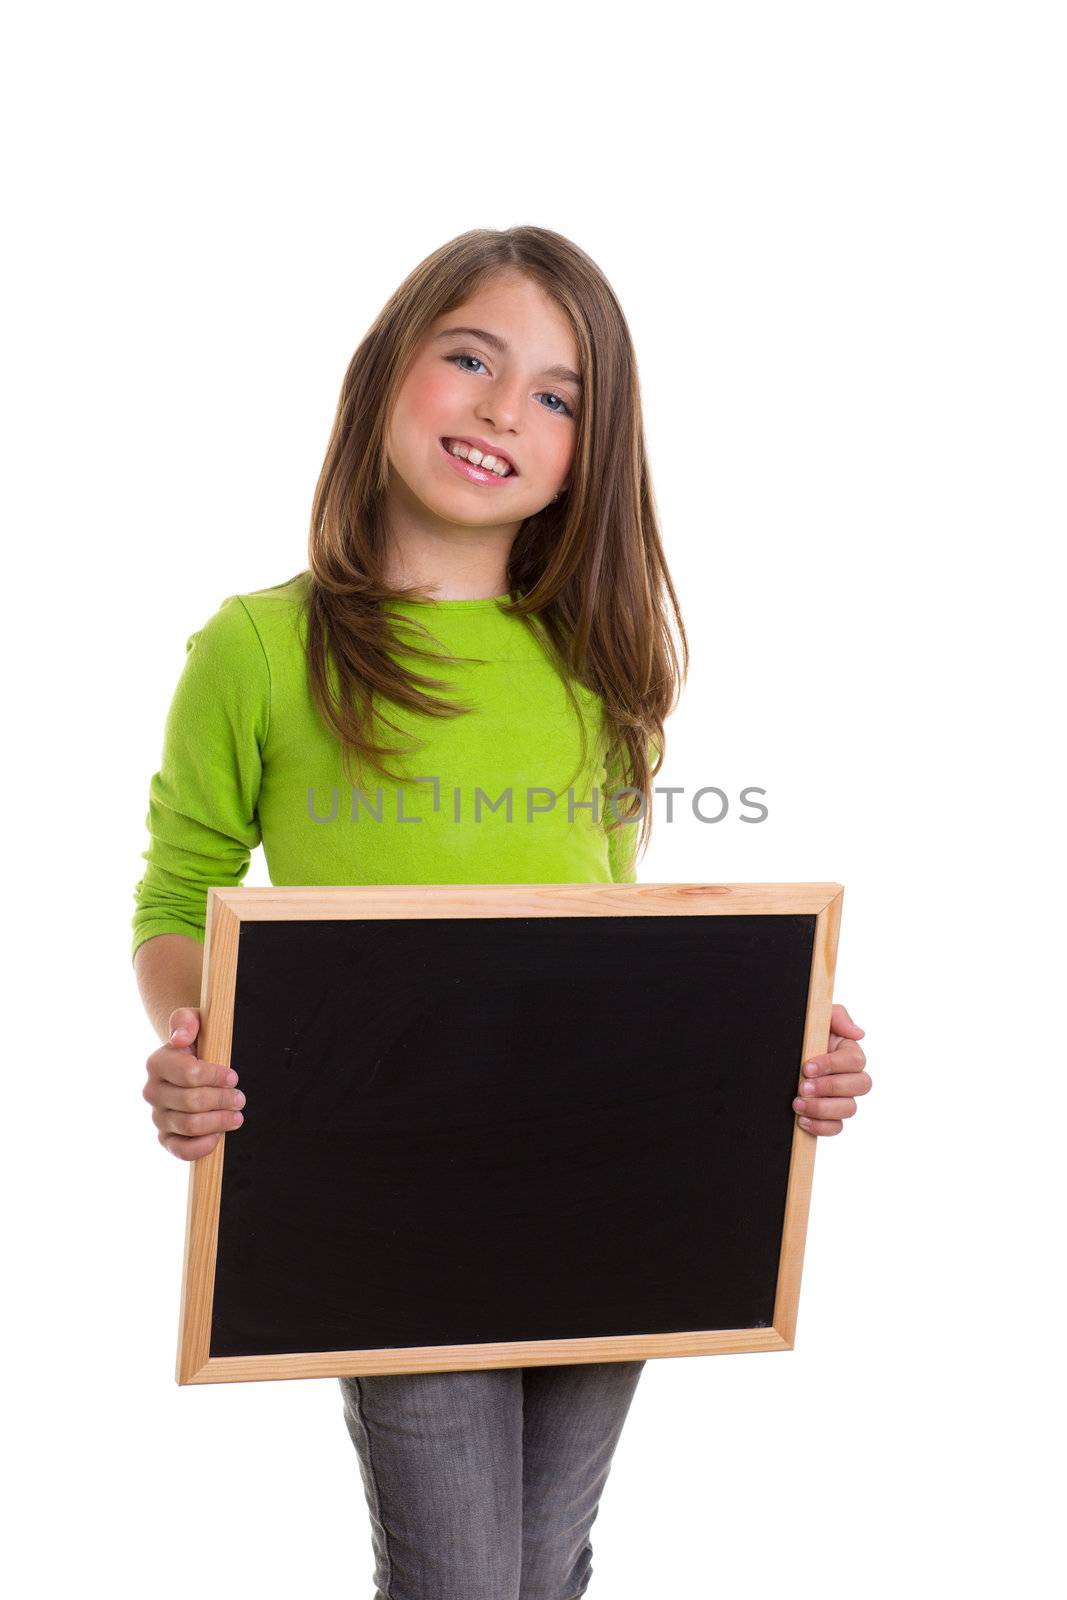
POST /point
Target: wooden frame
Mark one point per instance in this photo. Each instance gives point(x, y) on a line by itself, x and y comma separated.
point(227, 909)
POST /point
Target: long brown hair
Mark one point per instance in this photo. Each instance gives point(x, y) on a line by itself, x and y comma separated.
point(587, 573)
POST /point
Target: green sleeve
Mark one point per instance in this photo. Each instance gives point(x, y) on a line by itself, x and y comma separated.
point(621, 844)
point(202, 820)
point(622, 841)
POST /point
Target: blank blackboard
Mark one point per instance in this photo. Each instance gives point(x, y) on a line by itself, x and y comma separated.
point(504, 1125)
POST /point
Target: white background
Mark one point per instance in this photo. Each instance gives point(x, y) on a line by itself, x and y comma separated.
point(837, 233)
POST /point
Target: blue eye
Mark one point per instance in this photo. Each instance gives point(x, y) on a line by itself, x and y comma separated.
point(481, 363)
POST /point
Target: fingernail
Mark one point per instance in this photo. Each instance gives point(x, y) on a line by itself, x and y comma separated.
point(805, 1122)
point(811, 1068)
point(231, 1078)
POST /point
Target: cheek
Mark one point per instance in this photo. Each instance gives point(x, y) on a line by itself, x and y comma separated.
point(559, 446)
point(426, 396)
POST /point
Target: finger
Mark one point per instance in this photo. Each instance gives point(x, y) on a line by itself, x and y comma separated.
point(849, 1083)
point(848, 1057)
point(158, 1092)
point(188, 1149)
point(191, 1124)
point(838, 1043)
point(813, 1125)
point(177, 1066)
point(842, 1023)
point(831, 1106)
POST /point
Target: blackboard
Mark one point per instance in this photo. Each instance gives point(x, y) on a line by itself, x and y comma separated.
point(504, 1125)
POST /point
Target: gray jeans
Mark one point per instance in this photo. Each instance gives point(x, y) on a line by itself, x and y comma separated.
point(484, 1485)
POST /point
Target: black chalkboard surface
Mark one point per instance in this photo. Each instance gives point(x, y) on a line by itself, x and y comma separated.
point(504, 1125)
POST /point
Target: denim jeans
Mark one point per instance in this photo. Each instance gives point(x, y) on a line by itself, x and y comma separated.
point(484, 1485)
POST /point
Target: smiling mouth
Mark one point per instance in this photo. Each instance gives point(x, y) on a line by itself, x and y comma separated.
point(446, 444)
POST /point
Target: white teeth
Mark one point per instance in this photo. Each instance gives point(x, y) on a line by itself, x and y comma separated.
point(472, 454)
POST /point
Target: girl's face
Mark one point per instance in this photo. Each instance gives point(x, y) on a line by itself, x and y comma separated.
point(501, 368)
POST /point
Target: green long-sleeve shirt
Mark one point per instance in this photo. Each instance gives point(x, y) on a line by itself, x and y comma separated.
point(247, 760)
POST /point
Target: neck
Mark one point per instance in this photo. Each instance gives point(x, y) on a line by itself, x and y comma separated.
point(447, 560)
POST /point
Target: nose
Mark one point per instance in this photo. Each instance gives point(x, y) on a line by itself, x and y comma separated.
point(501, 406)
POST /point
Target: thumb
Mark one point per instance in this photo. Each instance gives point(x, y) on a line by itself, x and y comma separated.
point(184, 1025)
point(842, 1024)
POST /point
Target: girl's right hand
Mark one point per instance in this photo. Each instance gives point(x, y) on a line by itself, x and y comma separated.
point(193, 1102)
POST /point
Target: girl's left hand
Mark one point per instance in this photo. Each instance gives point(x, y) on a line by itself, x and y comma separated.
point(832, 1081)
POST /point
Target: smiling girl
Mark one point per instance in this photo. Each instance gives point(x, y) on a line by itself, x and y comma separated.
point(487, 607)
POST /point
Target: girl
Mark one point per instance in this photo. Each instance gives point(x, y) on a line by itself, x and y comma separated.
point(486, 581)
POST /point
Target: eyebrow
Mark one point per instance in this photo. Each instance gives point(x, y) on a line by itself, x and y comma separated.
point(497, 343)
